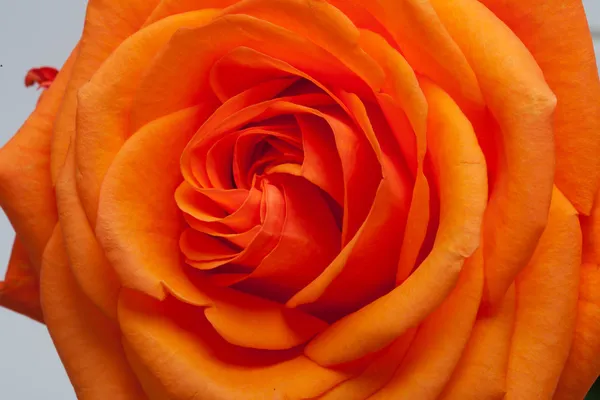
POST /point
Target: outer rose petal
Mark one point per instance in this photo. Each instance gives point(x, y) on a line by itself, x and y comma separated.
point(378, 372)
point(20, 290)
point(557, 34)
point(139, 223)
point(26, 192)
point(107, 24)
point(481, 372)
point(196, 50)
point(91, 269)
point(428, 47)
point(547, 291)
point(88, 343)
point(180, 353)
point(583, 365)
point(521, 102)
point(439, 341)
point(103, 122)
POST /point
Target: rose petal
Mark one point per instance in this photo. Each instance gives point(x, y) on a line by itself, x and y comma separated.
point(103, 122)
point(107, 24)
point(195, 51)
point(322, 164)
point(429, 48)
point(233, 112)
point(245, 218)
point(547, 293)
point(481, 371)
point(439, 341)
point(253, 322)
point(20, 290)
point(557, 34)
point(262, 239)
point(376, 375)
point(463, 194)
point(590, 225)
point(203, 250)
point(26, 192)
point(184, 356)
point(78, 328)
point(309, 240)
point(583, 366)
point(521, 102)
point(384, 225)
point(167, 8)
point(138, 220)
point(90, 268)
point(332, 30)
point(358, 162)
point(402, 94)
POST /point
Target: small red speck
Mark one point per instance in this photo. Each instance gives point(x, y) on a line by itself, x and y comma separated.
point(42, 76)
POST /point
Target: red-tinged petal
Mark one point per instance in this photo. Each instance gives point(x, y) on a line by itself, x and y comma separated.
point(26, 192)
point(462, 184)
point(309, 241)
point(359, 164)
point(220, 158)
point(103, 122)
point(195, 51)
point(547, 291)
point(523, 105)
point(202, 250)
point(240, 70)
point(20, 290)
point(322, 165)
point(90, 268)
point(107, 24)
point(376, 375)
point(583, 365)
point(185, 357)
point(235, 112)
point(88, 343)
point(559, 27)
point(259, 241)
point(139, 223)
point(238, 213)
point(440, 340)
point(43, 77)
point(481, 371)
point(402, 94)
point(384, 226)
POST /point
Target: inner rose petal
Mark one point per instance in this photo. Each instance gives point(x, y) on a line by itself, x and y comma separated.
point(462, 182)
point(310, 240)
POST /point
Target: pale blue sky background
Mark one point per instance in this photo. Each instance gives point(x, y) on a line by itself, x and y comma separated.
point(34, 33)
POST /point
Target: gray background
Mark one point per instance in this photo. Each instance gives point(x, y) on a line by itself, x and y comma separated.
point(35, 33)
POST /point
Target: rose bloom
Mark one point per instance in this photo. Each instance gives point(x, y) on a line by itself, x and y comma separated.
point(302, 199)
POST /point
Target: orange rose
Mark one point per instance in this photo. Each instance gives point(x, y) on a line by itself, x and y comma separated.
point(294, 199)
